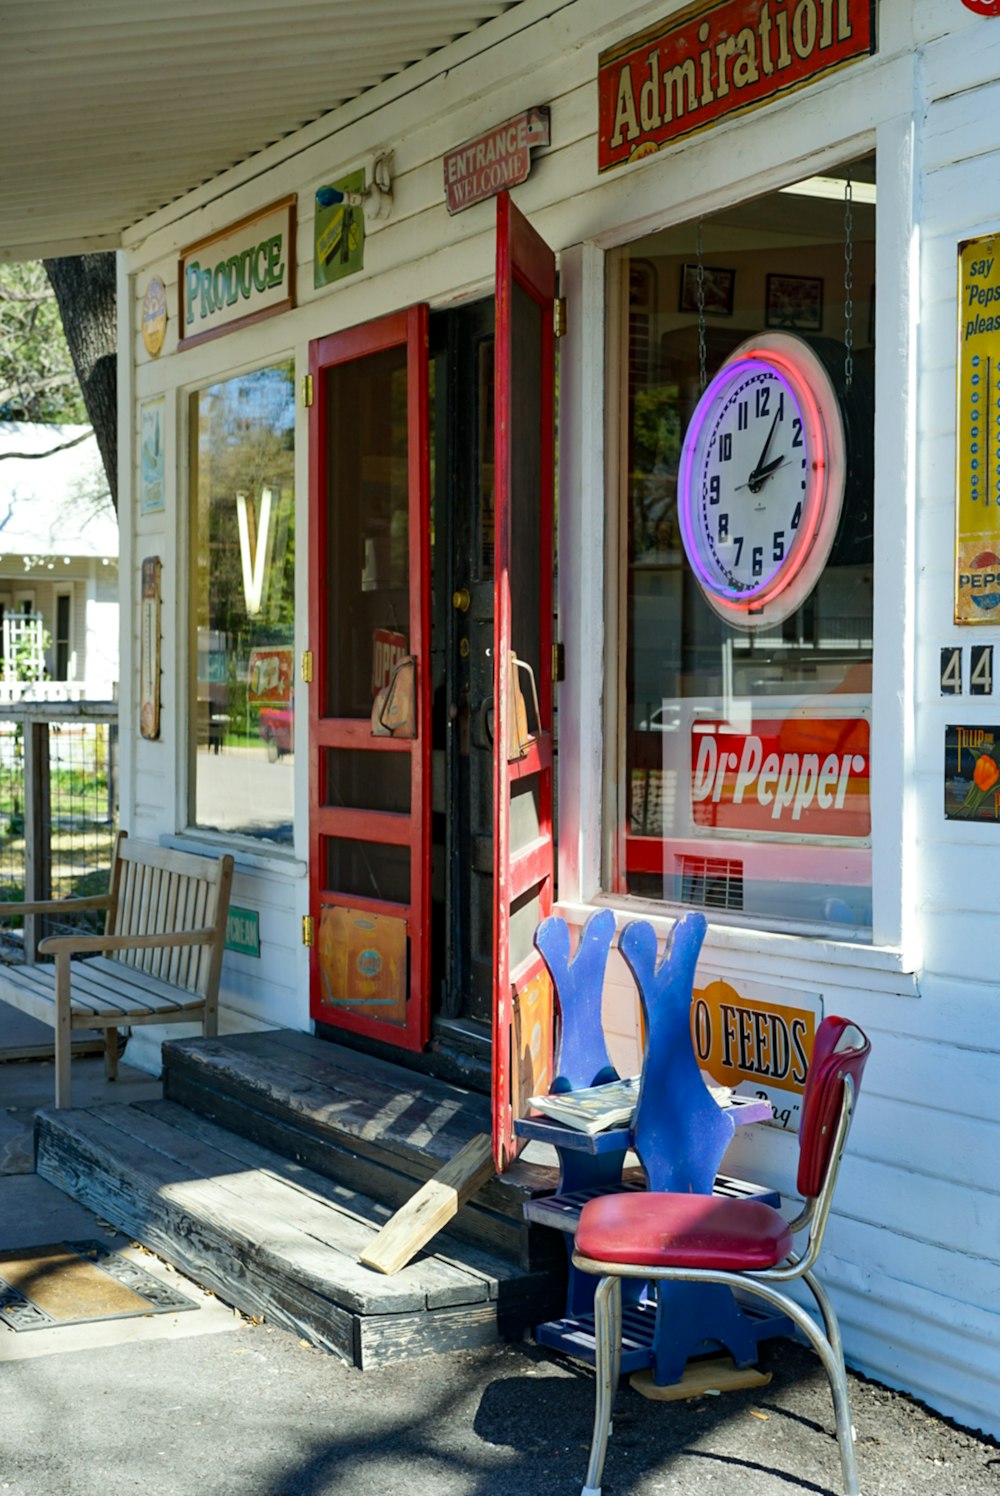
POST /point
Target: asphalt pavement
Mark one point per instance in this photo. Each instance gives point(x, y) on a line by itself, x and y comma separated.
point(204, 1401)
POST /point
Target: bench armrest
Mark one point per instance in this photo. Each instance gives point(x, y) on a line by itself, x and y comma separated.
point(77, 945)
point(66, 907)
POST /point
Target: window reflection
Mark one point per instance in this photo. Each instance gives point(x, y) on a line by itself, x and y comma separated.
point(243, 564)
point(702, 695)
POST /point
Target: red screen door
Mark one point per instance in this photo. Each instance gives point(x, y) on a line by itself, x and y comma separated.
point(523, 854)
point(369, 703)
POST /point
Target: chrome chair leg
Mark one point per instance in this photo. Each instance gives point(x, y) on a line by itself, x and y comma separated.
point(608, 1344)
point(833, 1363)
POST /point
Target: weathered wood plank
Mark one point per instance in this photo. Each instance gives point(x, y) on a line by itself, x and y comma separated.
point(497, 1273)
point(196, 1247)
point(360, 1166)
point(160, 1200)
point(435, 1204)
point(391, 1337)
point(302, 1211)
point(253, 1234)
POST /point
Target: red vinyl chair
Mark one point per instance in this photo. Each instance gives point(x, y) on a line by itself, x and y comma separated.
point(740, 1243)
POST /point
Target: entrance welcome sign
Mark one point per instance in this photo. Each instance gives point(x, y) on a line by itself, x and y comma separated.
point(241, 274)
point(717, 59)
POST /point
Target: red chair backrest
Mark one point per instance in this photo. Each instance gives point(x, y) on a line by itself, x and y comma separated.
point(840, 1049)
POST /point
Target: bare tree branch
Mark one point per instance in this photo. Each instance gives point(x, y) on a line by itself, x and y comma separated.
point(36, 456)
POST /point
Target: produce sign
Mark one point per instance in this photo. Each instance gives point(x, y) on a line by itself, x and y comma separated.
point(808, 776)
point(972, 774)
point(237, 276)
point(715, 60)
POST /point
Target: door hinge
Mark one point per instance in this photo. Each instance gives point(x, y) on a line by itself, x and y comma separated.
point(307, 390)
point(558, 662)
point(307, 665)
point(308, 930)
point(559, 316)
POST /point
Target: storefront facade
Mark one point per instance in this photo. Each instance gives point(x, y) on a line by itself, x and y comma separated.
point(461, 621)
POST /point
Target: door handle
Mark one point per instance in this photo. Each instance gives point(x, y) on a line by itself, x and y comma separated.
point(461, 599)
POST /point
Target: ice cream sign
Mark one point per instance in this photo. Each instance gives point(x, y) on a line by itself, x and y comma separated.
point(804, 776)
point(239, 275)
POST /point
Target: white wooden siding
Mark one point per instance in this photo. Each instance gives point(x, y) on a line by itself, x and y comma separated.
point(914, 1258)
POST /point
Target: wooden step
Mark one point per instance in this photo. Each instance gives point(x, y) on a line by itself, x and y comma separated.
point(276, 1239)
point(365, 1122)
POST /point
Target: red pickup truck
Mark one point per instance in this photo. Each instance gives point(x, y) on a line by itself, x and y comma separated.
point(276, 725)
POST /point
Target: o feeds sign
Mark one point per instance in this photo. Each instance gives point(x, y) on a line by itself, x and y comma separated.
point(243, 273)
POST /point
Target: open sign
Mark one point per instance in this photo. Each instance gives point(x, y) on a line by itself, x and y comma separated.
point(388, 648)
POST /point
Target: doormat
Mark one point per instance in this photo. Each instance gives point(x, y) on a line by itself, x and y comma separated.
point(77, 1282)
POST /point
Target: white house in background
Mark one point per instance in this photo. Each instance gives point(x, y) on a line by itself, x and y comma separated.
point(58, 567)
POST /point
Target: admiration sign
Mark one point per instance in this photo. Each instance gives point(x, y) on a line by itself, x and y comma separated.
point(237, 276)
point(714, 60)
point(501, 158)
point(808, 776)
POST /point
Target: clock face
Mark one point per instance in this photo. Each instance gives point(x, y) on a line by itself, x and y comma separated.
point(761, 480)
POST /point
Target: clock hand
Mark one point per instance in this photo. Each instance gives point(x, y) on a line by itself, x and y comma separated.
point(756, 480)
point(763, 456)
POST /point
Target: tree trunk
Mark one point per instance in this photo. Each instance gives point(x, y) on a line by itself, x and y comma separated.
point(85, 288)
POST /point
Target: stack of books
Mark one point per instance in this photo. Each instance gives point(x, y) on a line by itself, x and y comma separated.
point(593, 1108)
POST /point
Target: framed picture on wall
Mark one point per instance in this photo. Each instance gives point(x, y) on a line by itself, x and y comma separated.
point(641, 286)
point(794, 302)
point(151, 464)
point(719, 286)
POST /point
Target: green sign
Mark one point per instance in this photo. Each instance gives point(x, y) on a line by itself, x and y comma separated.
point(339, 232)
point(243, 932)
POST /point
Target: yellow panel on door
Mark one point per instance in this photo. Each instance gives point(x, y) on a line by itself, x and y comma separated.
point(362, 962)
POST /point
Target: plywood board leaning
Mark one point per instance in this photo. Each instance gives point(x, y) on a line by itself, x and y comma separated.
point(431, 1208)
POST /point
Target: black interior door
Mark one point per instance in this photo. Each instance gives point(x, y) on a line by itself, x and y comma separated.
point(462, 446)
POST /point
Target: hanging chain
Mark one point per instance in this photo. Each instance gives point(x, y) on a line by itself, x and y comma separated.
point(700, 283)
point(848, 284)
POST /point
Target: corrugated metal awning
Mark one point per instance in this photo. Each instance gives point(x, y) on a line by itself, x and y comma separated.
point(111, 109)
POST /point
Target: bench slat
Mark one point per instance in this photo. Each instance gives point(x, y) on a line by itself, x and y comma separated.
point(154, 892)
point(95, 992)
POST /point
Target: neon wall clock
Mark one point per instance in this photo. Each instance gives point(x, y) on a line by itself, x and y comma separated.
point(761, 480)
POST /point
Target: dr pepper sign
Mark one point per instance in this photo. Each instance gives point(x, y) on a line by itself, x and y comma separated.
point(804, 776)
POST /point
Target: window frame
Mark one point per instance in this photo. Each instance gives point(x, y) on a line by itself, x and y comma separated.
point(252, 853)
point(587, 864)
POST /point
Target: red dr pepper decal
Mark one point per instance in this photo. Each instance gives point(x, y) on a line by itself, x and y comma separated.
point(808, 776)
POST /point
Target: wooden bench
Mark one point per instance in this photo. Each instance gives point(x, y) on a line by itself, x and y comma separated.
point(159, 960)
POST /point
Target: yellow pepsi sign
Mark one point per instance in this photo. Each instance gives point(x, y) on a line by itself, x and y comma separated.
point(977, 541)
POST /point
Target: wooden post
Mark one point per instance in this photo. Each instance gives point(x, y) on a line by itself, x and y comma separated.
point(37, 831)
point(64, 1032)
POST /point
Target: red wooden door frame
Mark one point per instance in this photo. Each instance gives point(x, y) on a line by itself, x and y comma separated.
point(413, 830)
point(525, 259)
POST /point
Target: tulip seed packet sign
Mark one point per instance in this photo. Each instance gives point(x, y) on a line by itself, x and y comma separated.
point(339, 232)
point(972, 774)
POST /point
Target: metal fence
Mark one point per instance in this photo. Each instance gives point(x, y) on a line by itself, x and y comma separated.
point(58, 811)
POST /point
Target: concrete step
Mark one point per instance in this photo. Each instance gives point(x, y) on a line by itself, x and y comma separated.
point(278, 1240)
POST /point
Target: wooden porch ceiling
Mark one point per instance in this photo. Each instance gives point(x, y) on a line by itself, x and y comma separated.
point(112, 109)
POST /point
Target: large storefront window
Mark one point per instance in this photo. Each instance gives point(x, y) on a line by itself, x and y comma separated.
point(747, 463)
point(243, 564)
